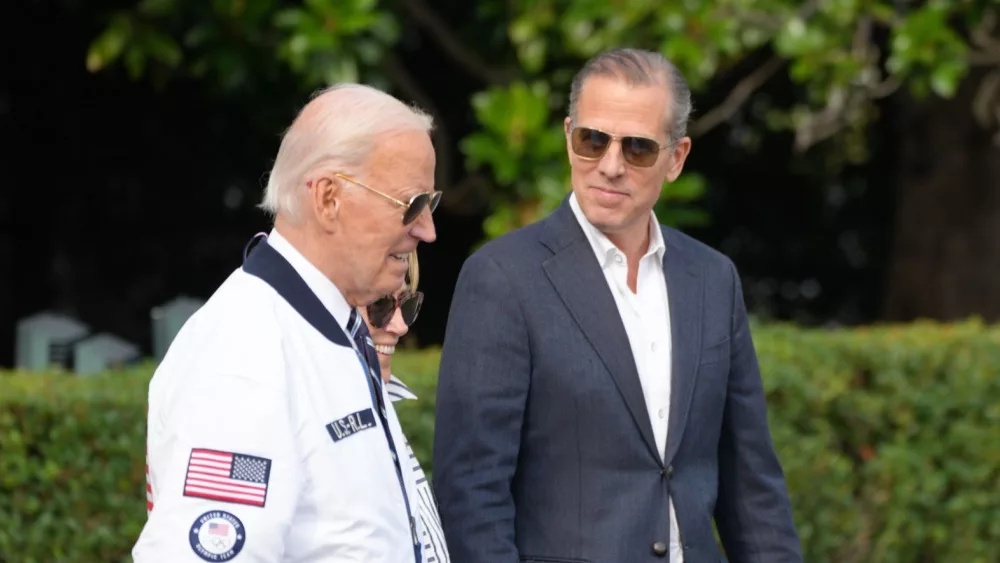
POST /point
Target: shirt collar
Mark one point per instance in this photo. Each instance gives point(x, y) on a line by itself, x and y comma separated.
point(397, 390)
point(328, 294)
point(604, 249)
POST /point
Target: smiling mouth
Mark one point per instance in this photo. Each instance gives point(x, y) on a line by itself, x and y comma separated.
point(385, 350)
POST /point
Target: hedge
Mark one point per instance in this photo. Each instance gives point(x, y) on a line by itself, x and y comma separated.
point(890, 439)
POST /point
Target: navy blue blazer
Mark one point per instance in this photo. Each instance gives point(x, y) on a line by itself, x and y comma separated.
point(544, 450)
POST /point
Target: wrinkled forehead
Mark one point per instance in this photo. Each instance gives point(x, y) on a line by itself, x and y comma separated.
point(613, 105)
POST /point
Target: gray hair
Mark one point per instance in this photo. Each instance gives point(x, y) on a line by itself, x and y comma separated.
point(639, 67)
point(340, 124)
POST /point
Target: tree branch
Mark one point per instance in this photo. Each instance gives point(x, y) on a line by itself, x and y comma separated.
point(737, 97)
point(825, 123)
point(885, 88)
point(861, 46)
point(982, 36)
point(845, 102)
point(983, 58)
point(986, 97)
point(439, 32)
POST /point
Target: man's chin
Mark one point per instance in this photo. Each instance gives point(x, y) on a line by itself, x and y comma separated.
point(605, 221)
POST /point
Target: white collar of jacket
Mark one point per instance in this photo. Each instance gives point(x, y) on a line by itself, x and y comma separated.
point(328, 294)
point(398, 390)
point(602, 245)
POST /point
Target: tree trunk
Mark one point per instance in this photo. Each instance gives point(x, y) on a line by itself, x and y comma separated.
point(945, 258)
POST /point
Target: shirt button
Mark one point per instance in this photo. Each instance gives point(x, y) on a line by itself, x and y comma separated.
point(618, 258)
point(661, 414)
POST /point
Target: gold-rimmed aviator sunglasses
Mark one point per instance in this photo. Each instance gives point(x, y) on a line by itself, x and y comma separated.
point(591, 144)
point(413, 208)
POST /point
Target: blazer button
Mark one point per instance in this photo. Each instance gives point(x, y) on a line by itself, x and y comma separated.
point(659, 549)
point(669, 472)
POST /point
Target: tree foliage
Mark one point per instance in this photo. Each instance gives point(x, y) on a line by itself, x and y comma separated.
point(843, 55)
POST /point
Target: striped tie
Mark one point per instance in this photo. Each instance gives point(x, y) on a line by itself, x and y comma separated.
point(363, 340)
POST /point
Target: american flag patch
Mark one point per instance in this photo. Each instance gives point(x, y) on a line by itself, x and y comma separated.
point(227, 476)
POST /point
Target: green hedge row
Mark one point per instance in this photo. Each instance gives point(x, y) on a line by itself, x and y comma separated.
point(890, 438)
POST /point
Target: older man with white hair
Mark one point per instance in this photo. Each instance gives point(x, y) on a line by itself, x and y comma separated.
point(270, 437)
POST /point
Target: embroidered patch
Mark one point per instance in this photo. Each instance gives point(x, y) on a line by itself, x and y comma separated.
point(351, 424)
point(227, 476)
point(217, 536)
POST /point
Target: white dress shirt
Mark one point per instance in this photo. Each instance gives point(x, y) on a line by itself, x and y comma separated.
point(646, 316)
point(432, 535)
point(263, 442)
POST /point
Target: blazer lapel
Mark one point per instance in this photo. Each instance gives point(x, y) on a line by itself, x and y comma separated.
point(581, 284)
point(685, 294)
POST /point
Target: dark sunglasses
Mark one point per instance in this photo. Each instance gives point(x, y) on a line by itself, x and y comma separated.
point(381, 311)
point(591, 144)
point(413, 208)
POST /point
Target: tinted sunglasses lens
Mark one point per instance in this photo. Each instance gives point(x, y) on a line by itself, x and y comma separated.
point(435, 200)
point(380, 311)
point(640, 151)
point(589, 143)
point(410, 307)
point(417, 205)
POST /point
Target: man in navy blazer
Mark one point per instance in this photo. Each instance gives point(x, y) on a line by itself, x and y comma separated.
point(599, 397)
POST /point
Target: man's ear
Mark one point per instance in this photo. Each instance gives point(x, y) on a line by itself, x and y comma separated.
point(679, 154)
point(327, 195)
point(569, 144)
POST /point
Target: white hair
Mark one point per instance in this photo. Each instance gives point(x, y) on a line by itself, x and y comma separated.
point(340, 124)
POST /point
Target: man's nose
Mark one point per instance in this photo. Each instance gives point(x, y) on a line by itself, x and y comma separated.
point(423, 227)
point(612, 164)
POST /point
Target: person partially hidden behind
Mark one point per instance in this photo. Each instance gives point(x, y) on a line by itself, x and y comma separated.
point(270, 435)
point(599, 395)
point(389, 319)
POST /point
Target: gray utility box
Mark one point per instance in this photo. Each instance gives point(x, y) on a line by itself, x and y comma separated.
point(168, 320)
point(102, 352)
point(46, 340)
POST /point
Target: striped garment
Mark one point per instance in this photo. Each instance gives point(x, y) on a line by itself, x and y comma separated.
point(435, 549)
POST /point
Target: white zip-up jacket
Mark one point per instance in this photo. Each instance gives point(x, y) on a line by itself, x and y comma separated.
point(264, 440)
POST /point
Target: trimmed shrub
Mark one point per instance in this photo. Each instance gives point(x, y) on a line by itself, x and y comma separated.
point(72, 466)
point(889, 436)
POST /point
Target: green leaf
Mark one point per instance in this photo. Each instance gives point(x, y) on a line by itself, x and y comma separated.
point(532, 55)
point(687, 187)
point(289, 18)
point(160, 47)
point(679, 217)
point(135, 63)
point(156, 8)
point(110, 44)
point(946, 77)
point(479, 149)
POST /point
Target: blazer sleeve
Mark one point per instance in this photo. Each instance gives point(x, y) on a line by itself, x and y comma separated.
point(481, 396)
point(753, 513)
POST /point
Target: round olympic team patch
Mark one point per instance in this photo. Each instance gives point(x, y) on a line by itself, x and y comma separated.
point(217, 536)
